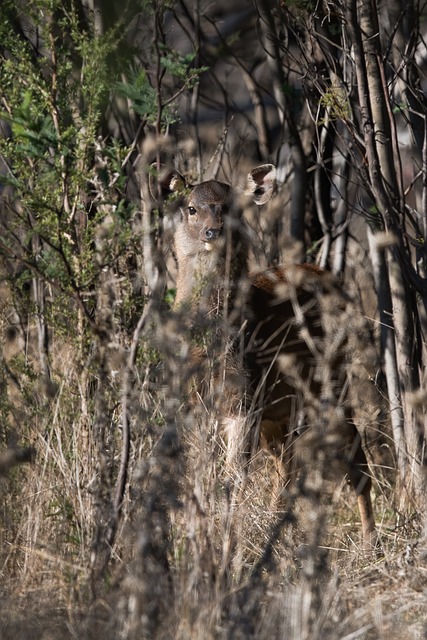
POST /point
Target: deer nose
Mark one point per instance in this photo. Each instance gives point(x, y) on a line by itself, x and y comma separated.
point(212, 234)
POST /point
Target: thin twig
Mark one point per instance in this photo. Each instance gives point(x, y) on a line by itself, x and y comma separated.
point(126, 435)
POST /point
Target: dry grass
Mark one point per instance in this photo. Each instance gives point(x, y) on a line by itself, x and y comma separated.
point(228, 566)
point(202, 552)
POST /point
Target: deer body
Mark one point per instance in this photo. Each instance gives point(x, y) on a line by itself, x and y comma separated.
point(280, 309)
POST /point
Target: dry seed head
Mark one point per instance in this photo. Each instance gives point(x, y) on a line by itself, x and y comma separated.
point(286, 361)
point(151, 145)
point(418, 399)
point(187, 147)
point(384, 240)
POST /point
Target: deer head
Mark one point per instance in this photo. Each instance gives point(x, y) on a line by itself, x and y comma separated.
point(208, 211)
point(211, 207)
point(212, 224)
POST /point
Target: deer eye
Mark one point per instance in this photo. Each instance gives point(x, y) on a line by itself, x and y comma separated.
point(192, 211)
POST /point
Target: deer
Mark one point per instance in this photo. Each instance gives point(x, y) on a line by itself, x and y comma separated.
point(275, 313)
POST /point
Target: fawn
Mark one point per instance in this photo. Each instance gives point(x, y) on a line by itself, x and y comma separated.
point(278, 312)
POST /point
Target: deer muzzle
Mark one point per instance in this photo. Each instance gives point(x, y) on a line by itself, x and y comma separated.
point(212, 234)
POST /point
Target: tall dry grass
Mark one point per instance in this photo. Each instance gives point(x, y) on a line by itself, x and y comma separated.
point(202, 550)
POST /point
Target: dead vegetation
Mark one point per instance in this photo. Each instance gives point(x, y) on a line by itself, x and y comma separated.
point(196, 551)
point(129, 521)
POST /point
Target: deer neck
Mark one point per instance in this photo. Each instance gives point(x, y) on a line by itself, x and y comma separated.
point(207, 281)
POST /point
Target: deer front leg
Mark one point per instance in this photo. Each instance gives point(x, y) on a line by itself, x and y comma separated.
point(358, 474)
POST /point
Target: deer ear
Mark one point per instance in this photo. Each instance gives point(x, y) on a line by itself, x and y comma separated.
point(164, 182)
point(261, 183)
